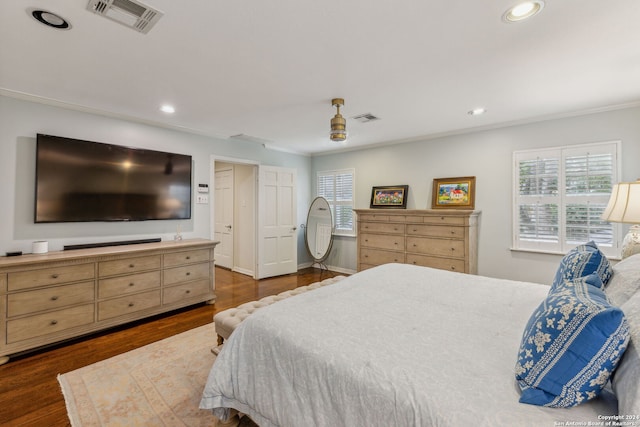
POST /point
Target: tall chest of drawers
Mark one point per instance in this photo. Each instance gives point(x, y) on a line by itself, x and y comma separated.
point(445, 239)
point(60, 295)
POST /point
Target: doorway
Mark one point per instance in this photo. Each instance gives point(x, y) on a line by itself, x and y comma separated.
point(254, 217)
point(234, 215)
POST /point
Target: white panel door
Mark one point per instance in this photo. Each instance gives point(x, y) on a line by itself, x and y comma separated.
point(223, 226)
point(277, 217)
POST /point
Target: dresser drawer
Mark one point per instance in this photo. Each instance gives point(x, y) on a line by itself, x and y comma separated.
point(188, 272)
point(185, 291)
point(382, 241)
point(381, 227)
point(129, 265)
point(51, 298)
point(445, 220)
point(188, 257)
point(128, 304)
point(441, 247)
point(49, 323)
point(377, 256)
point(50, 276)
point(434, 262)
point(373, 217)
point(435, 231)
point(130, 283)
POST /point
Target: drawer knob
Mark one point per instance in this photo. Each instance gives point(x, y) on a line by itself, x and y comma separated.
point(53, 322)
point(414, 263)
point(54, 276)
point(188, 273)
point(131, 265)
point(453, 268)
point(131, 304)
point(131, 284)
point(188, 257)
point(366, 256)
point(187, 291)
point(54, 298)
point(414, 245)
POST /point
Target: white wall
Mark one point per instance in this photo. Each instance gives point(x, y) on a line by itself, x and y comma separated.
point(21, 120)
point(488, 156)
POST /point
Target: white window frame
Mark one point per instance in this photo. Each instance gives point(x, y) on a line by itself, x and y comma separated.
point(333, 203)
point(562, 199)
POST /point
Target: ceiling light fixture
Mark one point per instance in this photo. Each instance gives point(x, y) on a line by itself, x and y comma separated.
point(169, 109)
point(338, 123)
point(50, 19)
point(522, 11)
point(477, 111)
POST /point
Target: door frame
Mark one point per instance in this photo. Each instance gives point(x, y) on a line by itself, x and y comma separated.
point(212, 212)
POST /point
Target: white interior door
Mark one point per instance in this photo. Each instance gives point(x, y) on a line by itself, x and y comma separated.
point(223, 226)
point(277, 218)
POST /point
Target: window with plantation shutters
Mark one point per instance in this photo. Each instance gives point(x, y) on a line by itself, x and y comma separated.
point(337, 187)
point(560, 194)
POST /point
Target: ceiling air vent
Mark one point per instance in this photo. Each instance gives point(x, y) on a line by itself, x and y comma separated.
point(132, 14)
point(364, 118)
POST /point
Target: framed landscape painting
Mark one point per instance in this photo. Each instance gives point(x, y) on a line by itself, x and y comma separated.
point(454, 193)
point(391, 196)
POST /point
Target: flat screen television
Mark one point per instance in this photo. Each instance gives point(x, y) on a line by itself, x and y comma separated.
point(81, 181)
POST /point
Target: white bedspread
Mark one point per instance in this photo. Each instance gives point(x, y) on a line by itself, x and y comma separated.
point(396, 345)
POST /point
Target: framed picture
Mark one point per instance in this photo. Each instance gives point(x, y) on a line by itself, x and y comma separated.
point(391, 196)
point(454, 193)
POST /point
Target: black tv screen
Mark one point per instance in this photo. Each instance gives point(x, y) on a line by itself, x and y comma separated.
point(80, 181)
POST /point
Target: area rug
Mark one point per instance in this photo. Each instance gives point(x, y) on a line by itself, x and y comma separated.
point(156, 385)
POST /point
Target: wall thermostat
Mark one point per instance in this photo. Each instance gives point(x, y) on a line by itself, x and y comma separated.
point(203, 188)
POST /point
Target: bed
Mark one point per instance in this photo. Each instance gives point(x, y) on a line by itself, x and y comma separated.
point(395, 345)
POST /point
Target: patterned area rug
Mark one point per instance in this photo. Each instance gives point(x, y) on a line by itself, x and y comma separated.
point(156, 385)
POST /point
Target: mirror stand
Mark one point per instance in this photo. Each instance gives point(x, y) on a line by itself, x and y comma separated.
point(318, 232)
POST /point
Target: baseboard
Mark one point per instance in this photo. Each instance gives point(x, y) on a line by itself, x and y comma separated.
point(329, 267)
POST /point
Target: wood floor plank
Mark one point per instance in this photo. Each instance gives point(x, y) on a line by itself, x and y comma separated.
point(29, 391)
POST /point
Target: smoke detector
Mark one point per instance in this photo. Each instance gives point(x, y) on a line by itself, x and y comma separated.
point(130, 13)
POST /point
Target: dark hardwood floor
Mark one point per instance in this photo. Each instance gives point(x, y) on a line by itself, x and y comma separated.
point(29, 391)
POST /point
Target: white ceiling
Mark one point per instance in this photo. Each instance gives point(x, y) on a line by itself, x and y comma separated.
point(268, 69)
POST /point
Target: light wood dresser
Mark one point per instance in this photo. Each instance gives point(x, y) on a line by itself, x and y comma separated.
point(59, 295)
point(445, 239)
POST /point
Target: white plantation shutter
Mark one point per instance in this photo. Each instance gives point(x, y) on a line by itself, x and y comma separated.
point(560, 195)
point(337, 187)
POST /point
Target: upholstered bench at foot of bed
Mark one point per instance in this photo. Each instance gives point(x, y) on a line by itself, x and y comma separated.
point(228, 320)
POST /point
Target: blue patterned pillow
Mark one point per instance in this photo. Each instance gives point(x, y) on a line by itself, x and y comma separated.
point(571, 345)
point(581, 261)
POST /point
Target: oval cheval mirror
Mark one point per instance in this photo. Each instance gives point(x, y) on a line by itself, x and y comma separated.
point(318, 232)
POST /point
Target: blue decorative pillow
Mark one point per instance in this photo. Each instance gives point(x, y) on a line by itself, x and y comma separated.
point(581, 261)
point(571, 345)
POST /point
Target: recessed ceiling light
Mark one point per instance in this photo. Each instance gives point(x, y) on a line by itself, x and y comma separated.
point(477, 111)
point(50, 19)
point(169, 109)
point(523, 11)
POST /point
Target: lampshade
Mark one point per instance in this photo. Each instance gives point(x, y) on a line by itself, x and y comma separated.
point(624, 204)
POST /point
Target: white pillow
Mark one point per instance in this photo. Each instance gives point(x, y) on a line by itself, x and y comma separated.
point(625, 281)
point(626, 377)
